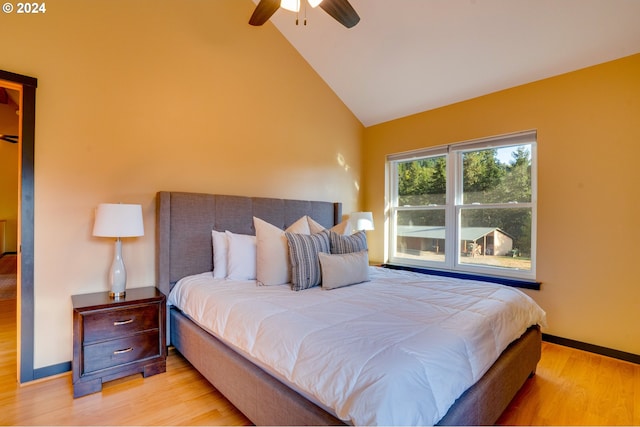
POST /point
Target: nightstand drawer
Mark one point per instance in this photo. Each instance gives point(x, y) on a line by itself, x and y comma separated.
point(100, 326)
point(120, 351)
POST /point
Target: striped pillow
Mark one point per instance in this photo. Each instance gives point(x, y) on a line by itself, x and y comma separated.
point(347, 244)
point(303, 253)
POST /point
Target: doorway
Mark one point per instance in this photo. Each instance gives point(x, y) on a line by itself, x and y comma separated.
point(9, 123)
point(26, 88)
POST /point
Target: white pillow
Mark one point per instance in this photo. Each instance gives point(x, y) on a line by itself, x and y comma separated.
point(273, 266)
point(241, 257)
point(344, 269)
point(314, 226)
point(344, 228)
point(220, 248)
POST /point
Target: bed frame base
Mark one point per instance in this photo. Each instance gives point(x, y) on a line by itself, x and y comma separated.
point(266, 401)
point(259, 396)
point(486, 400)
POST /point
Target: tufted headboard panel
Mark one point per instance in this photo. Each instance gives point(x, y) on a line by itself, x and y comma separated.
point(184, 222)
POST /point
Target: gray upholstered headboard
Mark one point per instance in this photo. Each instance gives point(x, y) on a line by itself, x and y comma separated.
point(184, 222)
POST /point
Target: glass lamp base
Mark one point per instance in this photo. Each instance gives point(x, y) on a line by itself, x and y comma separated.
point(117, 295)
point(118, 274)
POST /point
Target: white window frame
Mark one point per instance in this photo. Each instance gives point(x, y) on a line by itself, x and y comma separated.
point(453, 205)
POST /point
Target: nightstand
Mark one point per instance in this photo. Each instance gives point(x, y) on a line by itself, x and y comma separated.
point(114, 338)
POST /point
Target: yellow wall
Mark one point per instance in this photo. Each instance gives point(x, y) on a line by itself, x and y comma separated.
point(588, 124)
point(9, 176)
point(139, 96)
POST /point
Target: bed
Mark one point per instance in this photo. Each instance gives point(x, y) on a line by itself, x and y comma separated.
point(184, 250)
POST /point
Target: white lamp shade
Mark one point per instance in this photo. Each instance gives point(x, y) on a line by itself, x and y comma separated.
point(118, 220)
point(361, 220)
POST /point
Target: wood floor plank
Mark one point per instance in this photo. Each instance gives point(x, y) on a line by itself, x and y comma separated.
point(571, 387)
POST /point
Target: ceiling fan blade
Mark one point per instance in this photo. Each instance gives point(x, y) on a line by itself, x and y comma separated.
point(263, 11)
point(9, 138)
point(341, 11)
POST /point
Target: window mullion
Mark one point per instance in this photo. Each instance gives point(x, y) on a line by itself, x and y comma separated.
point(452, 216)
point(498, 205)
point(393, 196)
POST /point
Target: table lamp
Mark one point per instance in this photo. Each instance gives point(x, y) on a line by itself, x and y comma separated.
point(118, 220)
point(361, 220)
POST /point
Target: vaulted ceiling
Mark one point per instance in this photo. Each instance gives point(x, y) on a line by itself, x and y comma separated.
point(408, 56)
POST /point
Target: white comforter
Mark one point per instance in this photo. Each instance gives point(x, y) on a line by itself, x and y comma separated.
point(398, 350)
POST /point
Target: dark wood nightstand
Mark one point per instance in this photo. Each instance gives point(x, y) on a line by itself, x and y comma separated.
point(114, 338)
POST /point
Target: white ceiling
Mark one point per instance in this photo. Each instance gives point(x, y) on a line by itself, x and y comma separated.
point(408, 56)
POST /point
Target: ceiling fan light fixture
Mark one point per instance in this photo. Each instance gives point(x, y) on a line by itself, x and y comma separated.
point(292, 5)
point(340, 10)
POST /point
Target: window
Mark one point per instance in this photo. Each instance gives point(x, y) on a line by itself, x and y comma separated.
point(468, 207)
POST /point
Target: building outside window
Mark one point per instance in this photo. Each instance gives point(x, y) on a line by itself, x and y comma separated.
point(468, 207)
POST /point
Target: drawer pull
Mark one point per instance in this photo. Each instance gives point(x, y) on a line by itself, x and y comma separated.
point(122, 322)
point(126, 350)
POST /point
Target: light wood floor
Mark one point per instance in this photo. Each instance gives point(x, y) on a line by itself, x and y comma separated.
point(571, 387)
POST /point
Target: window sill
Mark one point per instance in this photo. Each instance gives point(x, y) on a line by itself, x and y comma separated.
point(516, 283)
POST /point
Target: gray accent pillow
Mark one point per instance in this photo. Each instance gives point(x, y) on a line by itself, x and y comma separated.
point(303, 253)
point(346, 244)
point(344, 269)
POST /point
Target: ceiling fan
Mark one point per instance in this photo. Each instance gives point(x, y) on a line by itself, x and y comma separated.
point(340, 10)
point(9, 138)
